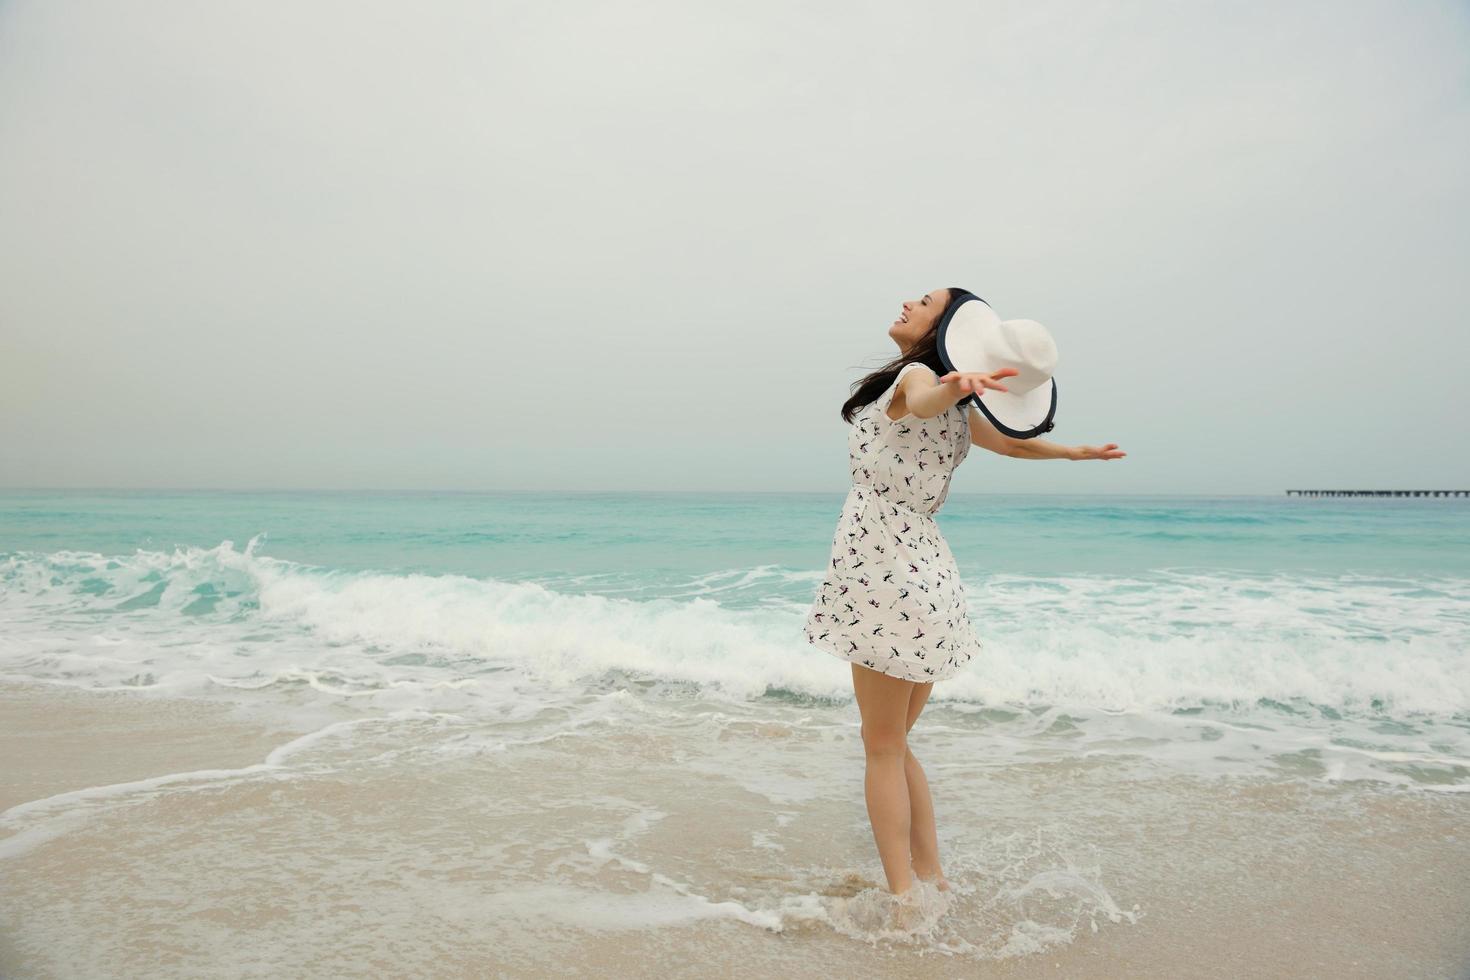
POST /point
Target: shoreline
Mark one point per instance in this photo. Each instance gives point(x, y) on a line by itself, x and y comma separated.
point(1227, 878)
point(61, 739)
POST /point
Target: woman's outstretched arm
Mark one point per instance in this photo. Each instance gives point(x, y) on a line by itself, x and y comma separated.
point(1041, 449)
point(987, 436)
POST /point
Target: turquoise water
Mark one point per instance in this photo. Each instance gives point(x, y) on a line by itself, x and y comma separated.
point(515, 536)
point(598, 712)
point(1348, 614)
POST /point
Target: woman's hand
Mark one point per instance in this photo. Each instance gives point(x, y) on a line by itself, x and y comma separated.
point(975, 382)
point(1110, 451)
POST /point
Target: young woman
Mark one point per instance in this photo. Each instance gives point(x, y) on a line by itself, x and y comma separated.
point(892, 603)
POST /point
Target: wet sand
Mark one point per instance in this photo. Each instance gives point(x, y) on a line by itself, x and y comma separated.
point(423, 848)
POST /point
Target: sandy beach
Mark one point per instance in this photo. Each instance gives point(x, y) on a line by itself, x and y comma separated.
point(457, 462)
point(148, 837)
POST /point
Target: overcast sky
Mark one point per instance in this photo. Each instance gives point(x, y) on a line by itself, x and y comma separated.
point(608, 245)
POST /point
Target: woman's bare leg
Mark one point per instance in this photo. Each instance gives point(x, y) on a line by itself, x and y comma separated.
point(883, 702)
point(923, 836)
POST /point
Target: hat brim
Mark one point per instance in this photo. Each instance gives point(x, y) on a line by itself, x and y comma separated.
point(1020, 416)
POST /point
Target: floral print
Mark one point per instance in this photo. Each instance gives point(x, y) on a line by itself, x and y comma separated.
point(891, 598)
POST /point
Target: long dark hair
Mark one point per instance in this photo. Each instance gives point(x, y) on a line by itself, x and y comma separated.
point(925, 351)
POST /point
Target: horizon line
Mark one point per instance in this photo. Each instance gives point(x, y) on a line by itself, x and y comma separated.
point(544, 490)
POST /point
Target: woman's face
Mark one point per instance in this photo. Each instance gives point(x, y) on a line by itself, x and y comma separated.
point(917, 318)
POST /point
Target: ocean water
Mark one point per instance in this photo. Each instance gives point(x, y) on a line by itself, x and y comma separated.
point(1306, 614)
point(524, 647)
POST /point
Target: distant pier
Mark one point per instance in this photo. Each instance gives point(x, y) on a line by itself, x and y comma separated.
point(1378, 493)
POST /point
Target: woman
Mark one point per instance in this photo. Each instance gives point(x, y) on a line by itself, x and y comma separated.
point(892, 603)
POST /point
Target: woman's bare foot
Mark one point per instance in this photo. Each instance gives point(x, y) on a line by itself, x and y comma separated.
point(937, 880)
point(907, 910)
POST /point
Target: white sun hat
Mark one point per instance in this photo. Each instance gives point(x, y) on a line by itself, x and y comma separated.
point(973, 338)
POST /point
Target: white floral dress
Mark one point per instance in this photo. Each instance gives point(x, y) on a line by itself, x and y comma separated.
point(892, 598)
